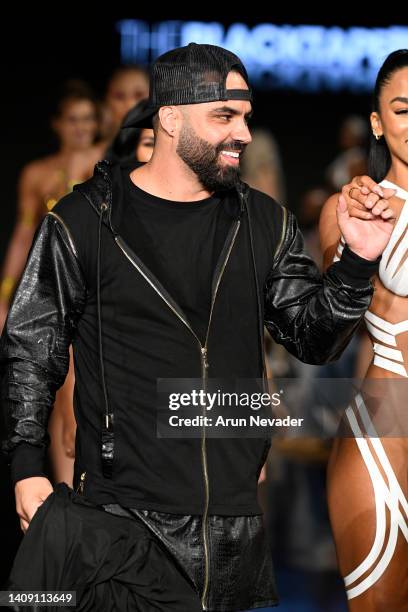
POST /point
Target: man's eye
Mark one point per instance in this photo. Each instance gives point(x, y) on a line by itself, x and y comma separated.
point(402, 111)
point(226, 117)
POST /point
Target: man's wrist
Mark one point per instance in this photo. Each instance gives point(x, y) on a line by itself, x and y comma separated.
point(27, 461)
point(354, 269)
point(362, 257)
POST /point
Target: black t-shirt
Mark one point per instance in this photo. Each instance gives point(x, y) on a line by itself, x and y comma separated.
point(180, 243)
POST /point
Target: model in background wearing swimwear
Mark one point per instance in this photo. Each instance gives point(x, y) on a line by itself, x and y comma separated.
point(368, 471)
point(42, 183)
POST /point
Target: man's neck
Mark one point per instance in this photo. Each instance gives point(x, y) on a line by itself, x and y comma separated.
point(169, 179)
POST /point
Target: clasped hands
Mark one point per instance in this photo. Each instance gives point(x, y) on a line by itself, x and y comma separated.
point(367, 200)
point(366, 214)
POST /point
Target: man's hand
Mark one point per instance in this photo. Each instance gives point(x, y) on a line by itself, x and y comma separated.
point(30, 494)
point(365, 217)
point(367, 239)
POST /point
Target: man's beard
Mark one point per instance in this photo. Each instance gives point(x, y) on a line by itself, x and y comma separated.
point(202, 158)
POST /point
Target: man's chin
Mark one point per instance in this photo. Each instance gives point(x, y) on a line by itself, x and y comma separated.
point(228, 178)
point(229, 172)
point(219, 178)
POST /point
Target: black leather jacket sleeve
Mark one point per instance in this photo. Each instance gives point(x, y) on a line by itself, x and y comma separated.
point(314, 316)
point(34, 346)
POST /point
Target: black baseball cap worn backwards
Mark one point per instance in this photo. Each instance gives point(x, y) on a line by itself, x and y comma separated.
point(190, 75)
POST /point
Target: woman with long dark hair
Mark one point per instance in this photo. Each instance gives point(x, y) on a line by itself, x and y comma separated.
point(132, 144)
point(368, 470)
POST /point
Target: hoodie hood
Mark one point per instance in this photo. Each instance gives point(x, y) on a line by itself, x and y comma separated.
point(106, 186)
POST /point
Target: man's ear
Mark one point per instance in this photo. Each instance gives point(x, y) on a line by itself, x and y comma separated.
point(376, 124)
point(169, 119)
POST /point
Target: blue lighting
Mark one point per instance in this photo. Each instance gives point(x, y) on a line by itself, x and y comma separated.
point(308, 58)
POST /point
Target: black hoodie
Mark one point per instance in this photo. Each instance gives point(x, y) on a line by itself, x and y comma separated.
point(83, 284)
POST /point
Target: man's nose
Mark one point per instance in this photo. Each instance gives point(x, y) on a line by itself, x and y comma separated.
point(241, 133)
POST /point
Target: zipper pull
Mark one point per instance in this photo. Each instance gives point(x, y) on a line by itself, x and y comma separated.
point(80, 488)
point(204, 355)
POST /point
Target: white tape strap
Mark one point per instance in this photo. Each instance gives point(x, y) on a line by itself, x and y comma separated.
point(390, 495)
point(393, 270)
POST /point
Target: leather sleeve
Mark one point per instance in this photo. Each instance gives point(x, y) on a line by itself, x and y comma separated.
point(314, 316)
point(34, 346)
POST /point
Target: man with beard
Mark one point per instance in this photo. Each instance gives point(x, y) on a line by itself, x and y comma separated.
point(168, 271)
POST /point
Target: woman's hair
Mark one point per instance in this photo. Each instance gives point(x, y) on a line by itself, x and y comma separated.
point(128, 69)
point(379, 159)
point(123, 148)
point(73, 90)
point(124, 145)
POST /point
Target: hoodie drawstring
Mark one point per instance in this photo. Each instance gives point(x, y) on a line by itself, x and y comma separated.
point(107, 440)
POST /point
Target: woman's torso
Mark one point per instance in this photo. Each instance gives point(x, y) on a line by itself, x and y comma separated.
point(387, 317)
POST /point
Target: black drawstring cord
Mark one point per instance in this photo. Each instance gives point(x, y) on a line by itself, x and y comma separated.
point(107, 426)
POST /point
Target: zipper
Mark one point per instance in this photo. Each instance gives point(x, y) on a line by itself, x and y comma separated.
point(125, 249)
point(80, 488)
point(67, 231)
point(204, 376)
point(205, 366)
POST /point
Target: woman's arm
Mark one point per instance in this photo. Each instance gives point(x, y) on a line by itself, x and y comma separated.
point(329, 230)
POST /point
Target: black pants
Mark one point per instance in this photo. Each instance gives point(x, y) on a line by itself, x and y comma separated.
point(113, 563)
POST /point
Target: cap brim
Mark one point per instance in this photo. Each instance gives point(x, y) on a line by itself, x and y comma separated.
point(139, 118)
